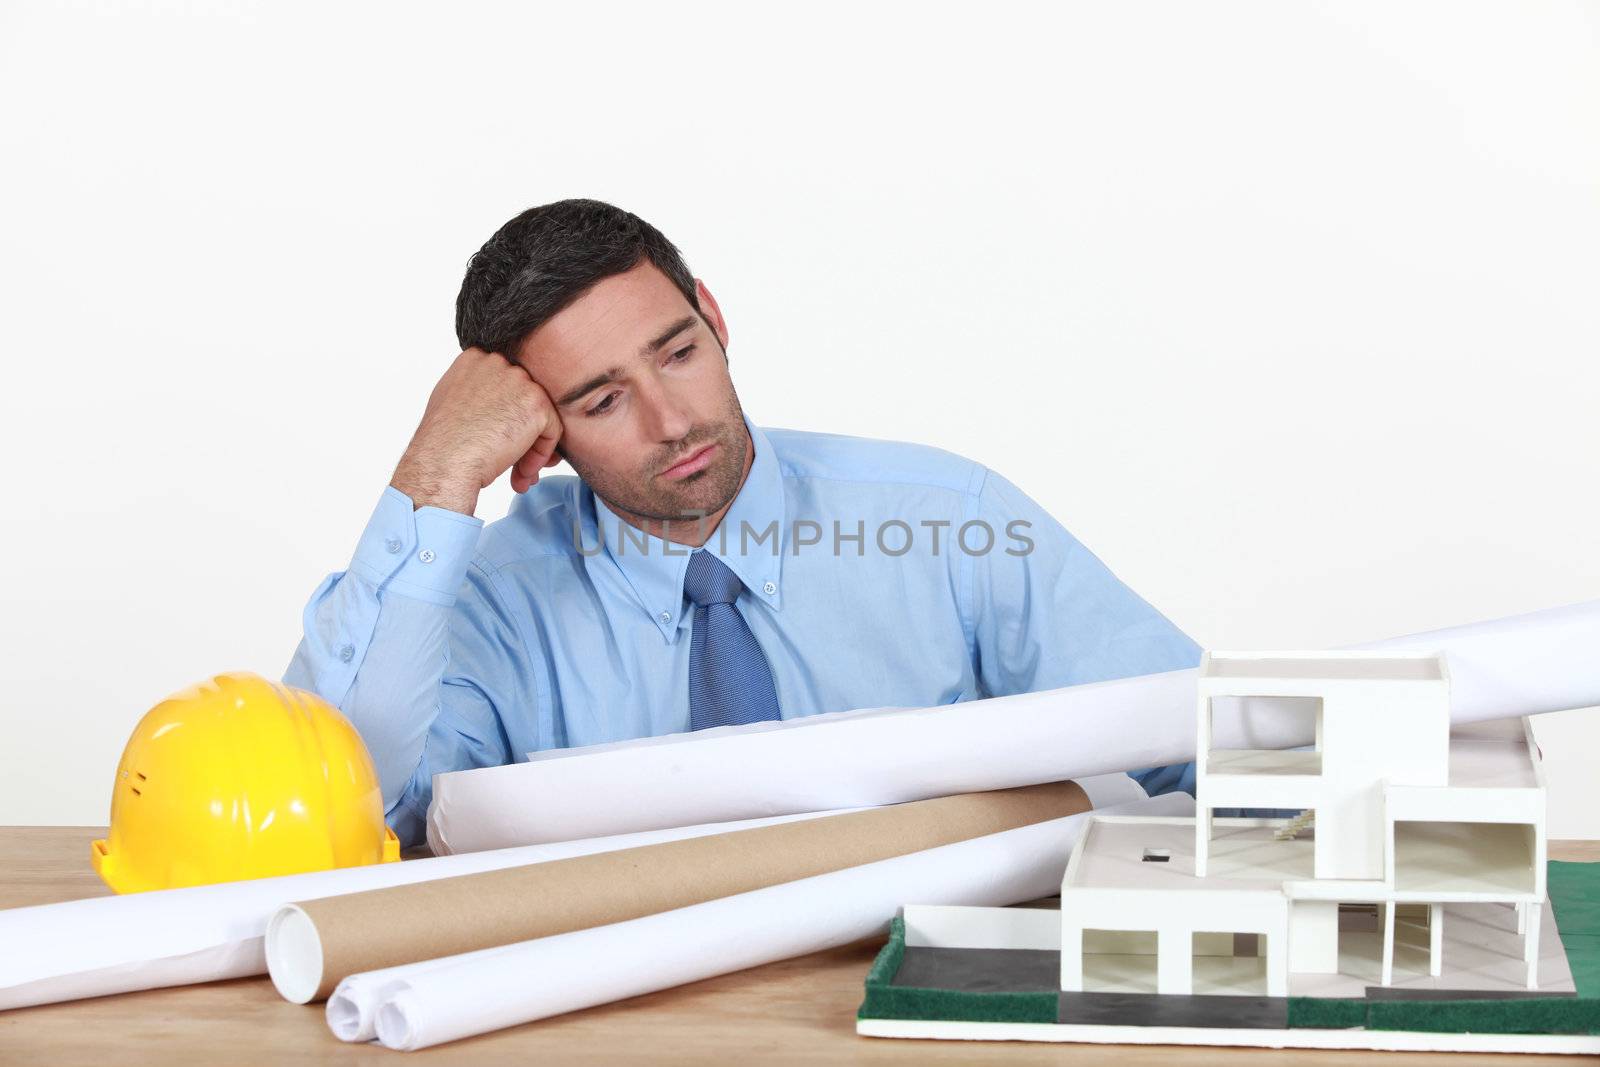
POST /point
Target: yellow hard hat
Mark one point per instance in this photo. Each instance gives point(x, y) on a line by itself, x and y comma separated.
point(241, 777)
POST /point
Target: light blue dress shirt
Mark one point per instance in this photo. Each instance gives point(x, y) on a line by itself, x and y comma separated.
point(866, 581)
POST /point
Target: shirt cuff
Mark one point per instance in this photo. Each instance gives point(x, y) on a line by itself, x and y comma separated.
point(418, 552)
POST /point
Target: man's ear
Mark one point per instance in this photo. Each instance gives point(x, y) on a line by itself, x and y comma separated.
point(712, 313)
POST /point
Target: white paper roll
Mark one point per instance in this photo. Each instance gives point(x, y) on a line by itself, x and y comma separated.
point(1524, 665)
point(442, 1000)
point(89, 948)
point(352, 1010)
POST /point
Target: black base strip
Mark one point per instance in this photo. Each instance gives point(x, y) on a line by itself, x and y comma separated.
point(981, 970)
point(1166, 1009)
point(1378, 992)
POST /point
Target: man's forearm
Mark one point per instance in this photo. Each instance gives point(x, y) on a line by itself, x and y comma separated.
point(429, 486)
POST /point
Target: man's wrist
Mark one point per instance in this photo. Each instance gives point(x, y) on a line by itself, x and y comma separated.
point(428, 489)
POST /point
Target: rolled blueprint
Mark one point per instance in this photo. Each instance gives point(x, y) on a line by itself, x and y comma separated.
point(313, 944)
point(1523, 665)
point(118, 944)
point(444, 1000)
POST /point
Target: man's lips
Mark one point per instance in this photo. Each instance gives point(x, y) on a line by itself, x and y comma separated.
point(696, 461)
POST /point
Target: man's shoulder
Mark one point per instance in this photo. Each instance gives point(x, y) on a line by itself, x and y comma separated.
point(538, 524)
point(811, 454)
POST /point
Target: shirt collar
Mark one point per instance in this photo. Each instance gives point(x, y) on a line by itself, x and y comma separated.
point(750, 539)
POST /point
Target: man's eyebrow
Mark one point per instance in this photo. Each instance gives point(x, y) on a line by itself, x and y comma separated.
point(596, 382)
point(614, 373)
point(666, 335)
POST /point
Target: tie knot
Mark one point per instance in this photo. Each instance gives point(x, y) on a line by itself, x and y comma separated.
point(709, 580)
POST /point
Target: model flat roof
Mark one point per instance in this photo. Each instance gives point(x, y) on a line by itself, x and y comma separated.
point(1488, 762)
point(1353, 668)
point(1242, 857)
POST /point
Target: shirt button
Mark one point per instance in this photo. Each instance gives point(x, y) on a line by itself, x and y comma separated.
point(392, 545)
point(426, 555)
point(347, 653)
point(769, 588)
point(665, 616)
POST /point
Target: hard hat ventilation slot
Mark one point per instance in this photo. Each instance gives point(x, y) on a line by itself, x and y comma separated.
point(136, 791)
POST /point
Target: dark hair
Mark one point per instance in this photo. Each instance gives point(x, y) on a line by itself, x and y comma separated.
point(546, 258)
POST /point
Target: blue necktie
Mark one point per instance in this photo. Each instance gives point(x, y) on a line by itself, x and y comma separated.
point(730, 681)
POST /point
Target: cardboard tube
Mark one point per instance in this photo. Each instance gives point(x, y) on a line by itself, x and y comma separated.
point(312, 945)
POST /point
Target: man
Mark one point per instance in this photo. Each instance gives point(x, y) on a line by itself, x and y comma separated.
point(699, 570)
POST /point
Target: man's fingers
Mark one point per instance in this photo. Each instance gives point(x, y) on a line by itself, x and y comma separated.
point(526, 468)
point(541, 455)
point(545, 446)
point(543, 450)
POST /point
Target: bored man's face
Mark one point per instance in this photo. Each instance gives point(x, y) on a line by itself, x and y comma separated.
point(640, 380)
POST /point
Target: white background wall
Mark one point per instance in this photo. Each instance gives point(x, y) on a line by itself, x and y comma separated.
point(1288, 310)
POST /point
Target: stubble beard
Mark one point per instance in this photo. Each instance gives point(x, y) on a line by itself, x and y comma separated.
point(687, 499)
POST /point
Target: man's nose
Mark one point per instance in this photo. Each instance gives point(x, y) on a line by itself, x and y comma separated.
point(668, 417)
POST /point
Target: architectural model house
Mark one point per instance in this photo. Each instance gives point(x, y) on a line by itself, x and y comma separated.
point(1391, 866)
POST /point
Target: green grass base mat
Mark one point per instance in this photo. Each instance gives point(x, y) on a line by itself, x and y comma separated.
point(1574, 890)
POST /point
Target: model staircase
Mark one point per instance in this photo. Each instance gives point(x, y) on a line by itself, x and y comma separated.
point(1291, 829)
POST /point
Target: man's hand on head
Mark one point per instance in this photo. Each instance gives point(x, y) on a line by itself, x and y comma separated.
point(485, 416)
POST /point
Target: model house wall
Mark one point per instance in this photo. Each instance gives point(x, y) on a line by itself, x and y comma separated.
point(1399, 816)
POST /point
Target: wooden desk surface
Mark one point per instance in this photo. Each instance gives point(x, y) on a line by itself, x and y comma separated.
point(802, 1009)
